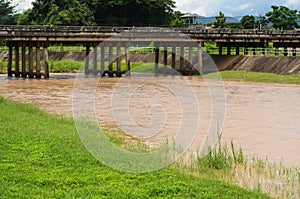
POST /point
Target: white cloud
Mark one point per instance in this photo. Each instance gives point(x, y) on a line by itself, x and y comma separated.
point(293, 2)
point(232, 7)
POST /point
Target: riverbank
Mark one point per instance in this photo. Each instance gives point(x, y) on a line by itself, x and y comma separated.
point(38, 161)
point(263, 64)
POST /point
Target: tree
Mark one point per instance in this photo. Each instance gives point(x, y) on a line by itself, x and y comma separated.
point(133, 12)
point(177, 21)
point(248, 22)
point(7, 13)
point(283, 18)
point(262, 22)
point(58, 12)
point(220, 21)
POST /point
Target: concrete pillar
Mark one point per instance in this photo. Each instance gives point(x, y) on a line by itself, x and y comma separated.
point(102, 61)
point(276, 51)
point(127, 60)
point(119, 74)
point(200, 59)
point(237, 50)
point(30, 58)
point(245, 51)
point(294, 52)
point(190, 58)
point(285, 51)
point(156, 60)
point(17, 60)
point(181, 57)
point(228, 50)
point(173, 57)
point(220, 50)
point(23, 59)
point(46, 60)
point(254, 51)
point(165, 56)
point(38, 60)
point(87, 58)
point(110, 59)
point(10, 59)
point(95, 63)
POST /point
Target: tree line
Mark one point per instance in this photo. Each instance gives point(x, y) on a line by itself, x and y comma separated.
point(131, 13)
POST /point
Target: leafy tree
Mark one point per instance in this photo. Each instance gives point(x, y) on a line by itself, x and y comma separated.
point(248, 22)
point(220, 21)
point(57, 12)
point(177, 21)
point(262, 22)
point(133, 12)
point(234, 25)
point(7, 13)
point(283, 18)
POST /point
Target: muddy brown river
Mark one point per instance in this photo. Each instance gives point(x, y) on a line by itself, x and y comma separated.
point(261, 118)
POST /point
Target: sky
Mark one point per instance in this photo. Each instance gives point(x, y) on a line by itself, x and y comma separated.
point(210, 8)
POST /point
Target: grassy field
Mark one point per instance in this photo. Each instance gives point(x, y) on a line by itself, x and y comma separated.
point(41, 156)
point(256, 77)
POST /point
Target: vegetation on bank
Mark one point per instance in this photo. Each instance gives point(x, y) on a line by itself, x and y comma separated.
point(41, 155)
point(244, 76)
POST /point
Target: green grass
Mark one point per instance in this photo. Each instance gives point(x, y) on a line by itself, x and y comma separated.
point(41, 156)
point(256, 77)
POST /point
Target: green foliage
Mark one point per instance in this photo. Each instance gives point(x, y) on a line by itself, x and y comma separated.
point(58, 12)
point(133, 12)
point(234, 25)
point(220, 21)
point(248, 22)
point(257, 77)
point(220, 157)
point(283, 18)
point(177, 21)
point(7, 13)
point(41, 156)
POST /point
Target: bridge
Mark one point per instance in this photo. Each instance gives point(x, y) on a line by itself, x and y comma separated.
point(28, 45)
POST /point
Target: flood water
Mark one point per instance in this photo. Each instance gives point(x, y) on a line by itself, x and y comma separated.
point(261, 118)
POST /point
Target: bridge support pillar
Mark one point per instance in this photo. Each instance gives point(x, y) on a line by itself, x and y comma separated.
point(294, 52)
point(29, 67)
point(38, 60)
point(110, 60)
point(95, 63)
point(119, 74)
point(127, 60)
point(156, 60)
point(228, 50)
point(181, 57)
point(200, 59)
point(30, 74)
point(285, 51)
point(276, 51)
point(10, 59)
point(102, 61)
point(237, 50)
point(46, 60)
point(254, 51)
point(245, 51)
point(165, 56)
point(17, 60)
point(87, 59)
point(220, 50)
point(173, 57)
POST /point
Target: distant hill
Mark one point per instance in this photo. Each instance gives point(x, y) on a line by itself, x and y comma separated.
point(208, 20)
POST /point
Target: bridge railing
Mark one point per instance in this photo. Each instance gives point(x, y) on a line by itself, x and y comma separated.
point(77, 29)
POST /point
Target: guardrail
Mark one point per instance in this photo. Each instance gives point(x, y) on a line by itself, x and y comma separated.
point(77, 29)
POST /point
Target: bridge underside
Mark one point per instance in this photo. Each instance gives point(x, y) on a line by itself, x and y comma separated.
point(108, 58)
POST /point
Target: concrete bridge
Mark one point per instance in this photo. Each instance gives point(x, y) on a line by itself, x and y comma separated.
point(111, 44)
